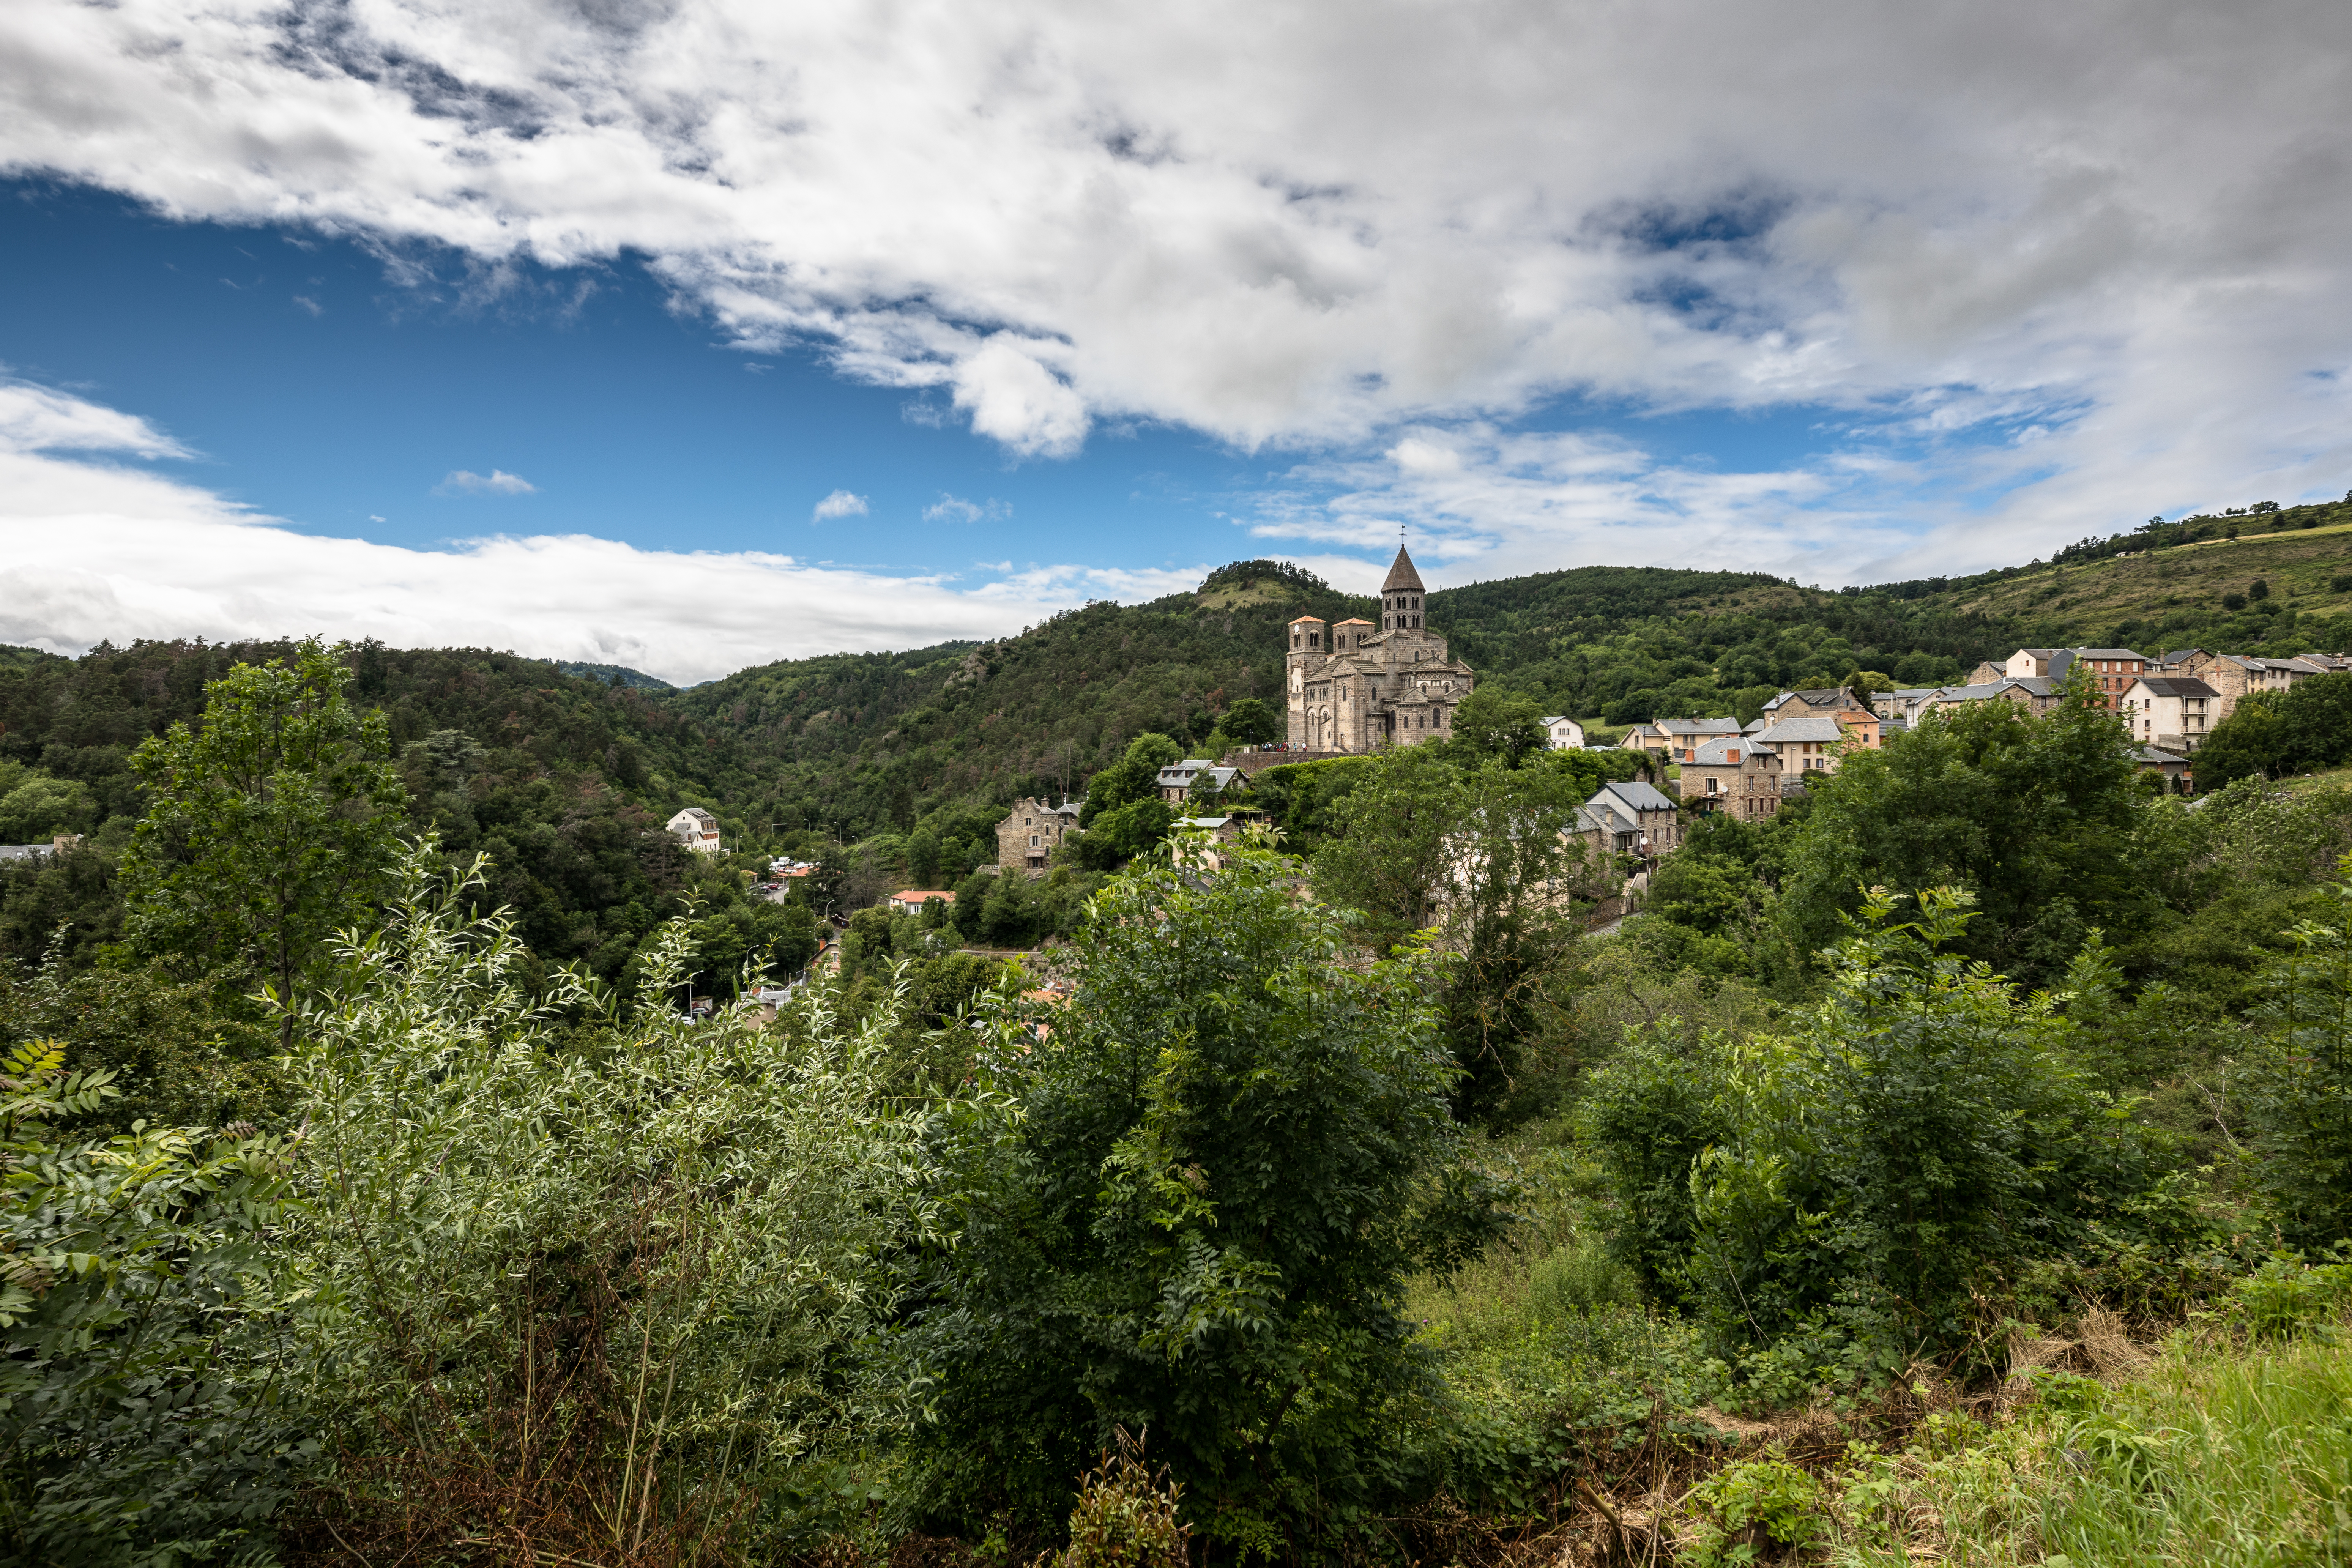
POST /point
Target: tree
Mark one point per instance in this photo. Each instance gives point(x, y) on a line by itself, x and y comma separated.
point(2281, 733)
point(1493, 723)
point(2038, 816)
point(273, 826)
point(608, 1306)
point(1135, 777)
point(1486, 858)
point(1251, 722)
point(1195, 1214)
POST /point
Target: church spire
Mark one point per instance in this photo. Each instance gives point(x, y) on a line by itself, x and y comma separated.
point(1403, 578)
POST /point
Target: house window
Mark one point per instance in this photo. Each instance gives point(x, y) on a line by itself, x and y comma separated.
point(1033, 841)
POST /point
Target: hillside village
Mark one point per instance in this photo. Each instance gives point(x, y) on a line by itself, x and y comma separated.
point(1356, 686)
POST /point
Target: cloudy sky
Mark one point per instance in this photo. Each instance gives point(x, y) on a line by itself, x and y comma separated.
point(692, 334)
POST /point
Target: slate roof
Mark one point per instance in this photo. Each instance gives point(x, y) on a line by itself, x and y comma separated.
point(1717, 754)
point(1636, 795)
point(1813, 727)
point(2105, 653)
point(2177, 686)
point(1401, 577)
point(1699, 726)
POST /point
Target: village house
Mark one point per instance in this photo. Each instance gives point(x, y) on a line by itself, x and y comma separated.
point(2174, 712)
point(1815, 702)
point(1659, 825)
point(2172, 766)
point(1684, 736)
point(2035, 694)
point(1029, 834)
point(1177, 779)
point(1563, 734)
point(1353, 686)
point(1224, 833)
point(1805, 746)
point(696, 829)
point(1736, 775)
point(1648, 737)
point(911, 902)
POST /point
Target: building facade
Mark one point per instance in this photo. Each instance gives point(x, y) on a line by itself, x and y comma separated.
point(1026, 840)
point(1353, 687)
point(696, 829)
point(1736, 776)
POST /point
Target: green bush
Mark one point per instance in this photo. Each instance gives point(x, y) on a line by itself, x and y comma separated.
point(150, 1403)
point(1194, 1213)
point(620, 1294)
point(2299, 1083)
point(1753, 1510)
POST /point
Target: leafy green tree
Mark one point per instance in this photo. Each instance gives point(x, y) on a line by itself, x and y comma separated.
point(2038, 816)
point(1124, 832)
point(1494, 723)
point(2277, 734)
point(274, 824)
point(1134, 777)
point(1251, 722)
point(149, 1410)
point(2299, 1081)
point(1484, 857)
point(1196, 1212)
point(1851, 1186)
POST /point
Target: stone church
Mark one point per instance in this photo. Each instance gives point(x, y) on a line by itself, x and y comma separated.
point(1354, 686)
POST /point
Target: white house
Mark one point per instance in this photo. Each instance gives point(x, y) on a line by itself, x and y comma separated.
point(1563, 734)
point(696, 829)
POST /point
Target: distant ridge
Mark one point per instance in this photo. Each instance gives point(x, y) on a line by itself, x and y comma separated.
point(605, 672)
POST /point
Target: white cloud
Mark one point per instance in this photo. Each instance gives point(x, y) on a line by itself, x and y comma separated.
point(840, 503)
point(92, 549)
point(2126, 222)
point(955, 508)
point(497, 482)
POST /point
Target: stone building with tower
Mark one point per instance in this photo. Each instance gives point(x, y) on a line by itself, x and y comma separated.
point(1354, 686)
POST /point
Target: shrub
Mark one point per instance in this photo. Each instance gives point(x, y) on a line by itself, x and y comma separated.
point(2234, 602)
point(1752, 1509)
point(1195, 1213)
point(611, 1303)
point(149, 1411)
point(2299, 1091)
point(1125, 1516)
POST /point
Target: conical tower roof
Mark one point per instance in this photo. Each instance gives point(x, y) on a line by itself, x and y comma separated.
point(1403, 578)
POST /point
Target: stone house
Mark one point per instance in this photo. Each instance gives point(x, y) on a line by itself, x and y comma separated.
point(1027, 837)
point(2036, 694)
point(2175, 712)
point(1654, 817)
point(1736, 775)
point(1352, 687)
point(1814, 702)
point(696, 829)
point(1684, 736)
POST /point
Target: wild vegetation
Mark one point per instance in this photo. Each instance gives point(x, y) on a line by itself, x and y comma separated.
point(1957, 1164)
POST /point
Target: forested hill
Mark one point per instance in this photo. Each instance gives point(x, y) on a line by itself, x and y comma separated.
point(564, 781)
point(866, 743)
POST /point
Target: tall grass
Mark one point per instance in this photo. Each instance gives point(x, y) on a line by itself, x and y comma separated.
point(2222, 1453)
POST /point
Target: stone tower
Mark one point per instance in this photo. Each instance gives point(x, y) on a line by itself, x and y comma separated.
point(1305, 651)
point(1401, 596)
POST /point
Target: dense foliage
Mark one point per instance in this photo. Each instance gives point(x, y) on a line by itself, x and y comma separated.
point(1194, 1212)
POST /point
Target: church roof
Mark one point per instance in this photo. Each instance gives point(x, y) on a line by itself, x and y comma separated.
point(1403, 578)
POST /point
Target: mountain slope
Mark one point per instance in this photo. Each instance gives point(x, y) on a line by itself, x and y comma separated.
point(866, 742)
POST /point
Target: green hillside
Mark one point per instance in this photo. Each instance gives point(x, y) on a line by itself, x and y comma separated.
point(859, 744)
point(566, 782)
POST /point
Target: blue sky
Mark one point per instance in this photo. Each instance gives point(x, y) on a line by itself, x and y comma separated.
point(694, 334)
